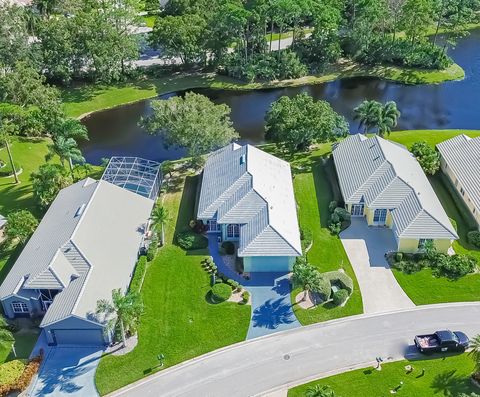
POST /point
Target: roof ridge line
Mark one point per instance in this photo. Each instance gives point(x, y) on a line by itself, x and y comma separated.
point(281, 235)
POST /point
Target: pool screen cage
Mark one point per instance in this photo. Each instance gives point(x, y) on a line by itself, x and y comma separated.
point(135, 174)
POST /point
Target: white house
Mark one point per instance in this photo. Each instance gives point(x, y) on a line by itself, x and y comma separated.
point(247, 197)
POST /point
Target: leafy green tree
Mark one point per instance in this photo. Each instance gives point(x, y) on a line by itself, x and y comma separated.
point(20, 226)
point(181, 36)
point(69, 128)
point(160, 217)
point(47, 181)
point(7, 130)
point(67, 150)
point(427, 156)
point(319, 391)
point(123, 311)
point(300, 121)
point(14, 36)
point(388, 118)
point(369, 114)
point(6, 337)
point(417, 18)
point(193, 122)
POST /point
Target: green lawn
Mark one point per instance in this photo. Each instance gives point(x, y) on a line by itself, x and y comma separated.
point(25, 339)
point(85, 99)
point(178, 321)
point(432, 137)
point(313, 192)
point(447, 376)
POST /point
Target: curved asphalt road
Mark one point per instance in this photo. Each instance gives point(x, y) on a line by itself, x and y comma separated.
point(293, 357)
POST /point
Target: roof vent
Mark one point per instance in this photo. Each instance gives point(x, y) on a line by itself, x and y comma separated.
point(80, 210)
point(242, 159)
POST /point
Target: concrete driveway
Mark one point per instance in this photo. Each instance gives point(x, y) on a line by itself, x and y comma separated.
point(366, 248)
point(68, 371)
point(270, 292)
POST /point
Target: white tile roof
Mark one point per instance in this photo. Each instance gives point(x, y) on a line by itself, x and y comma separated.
point(85, 253)
point(386, 175)
point(462, 154)
point(244, 185)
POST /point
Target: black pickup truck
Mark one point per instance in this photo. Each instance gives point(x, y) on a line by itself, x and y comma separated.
point(442, 341)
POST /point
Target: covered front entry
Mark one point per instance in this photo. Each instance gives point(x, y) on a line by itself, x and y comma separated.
point(357, 209)
point(380, 217)
point(82, 337)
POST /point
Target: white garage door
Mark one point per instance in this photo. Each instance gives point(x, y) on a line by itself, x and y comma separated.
point(84, 337)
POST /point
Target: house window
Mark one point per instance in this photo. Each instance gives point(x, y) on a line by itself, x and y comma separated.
point(423, 241)
point(19, 307)
point(213, 225)
point(462, 191)
point(233, 231)
point(380, 216)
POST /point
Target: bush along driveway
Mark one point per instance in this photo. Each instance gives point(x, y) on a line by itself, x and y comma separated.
point(270, 296)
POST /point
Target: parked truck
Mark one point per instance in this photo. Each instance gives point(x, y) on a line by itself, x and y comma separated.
point(442, 341)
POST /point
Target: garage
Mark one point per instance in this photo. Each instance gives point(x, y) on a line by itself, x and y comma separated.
point(268, 263)
point(84, 337)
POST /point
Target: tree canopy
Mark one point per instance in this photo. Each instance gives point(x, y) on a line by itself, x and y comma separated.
point(20, 226)
point(47, 181)
point(427, 156)
point(300, 121)
point(193, 122)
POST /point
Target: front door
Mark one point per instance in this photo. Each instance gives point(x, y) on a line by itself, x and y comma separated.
point(357, 209)
point(380, 217)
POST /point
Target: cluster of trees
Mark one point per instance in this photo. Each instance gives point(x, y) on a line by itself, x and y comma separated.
point(65, 40)
point(379, 117)
point(238, 37)
point(427, 156)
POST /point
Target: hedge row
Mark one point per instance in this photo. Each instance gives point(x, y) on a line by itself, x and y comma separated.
point(137, 279)
point(341, 278)
point(23, 380)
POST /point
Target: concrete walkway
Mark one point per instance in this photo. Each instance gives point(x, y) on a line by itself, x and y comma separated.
point(286, 359)
point(366, 248)
point(271, 306)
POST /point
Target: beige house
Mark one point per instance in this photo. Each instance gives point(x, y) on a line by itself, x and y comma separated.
point(460, 161)
point(383, 182)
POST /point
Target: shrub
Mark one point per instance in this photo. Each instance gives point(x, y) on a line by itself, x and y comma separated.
point(341, 278)
point(332, 205)
point(137, 279)
point(307, 237)
point(340, 297)
point(22, 382)
point(454, 266)
point(191, 241)
point(228, 247)
point(398, 256)
point(11, 371)
point(322, 287)
point(221, 292)
point(474, 238)
point(342, 214)
point(335, 228)
point(152, 248)
point(409, 267)
point(245, 296)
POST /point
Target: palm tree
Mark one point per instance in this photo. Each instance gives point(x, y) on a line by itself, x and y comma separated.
point(125, 309)
point(475, 354)
point(6, 336)
point(369, 114)
point(6, 130)
point(70, 128)
point(319, 391)
point(160, 218)
point(67, 149)
point(305, 276)
point(389, 118)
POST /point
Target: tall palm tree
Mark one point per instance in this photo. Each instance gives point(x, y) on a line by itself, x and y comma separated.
point(368, 113)
point(6, 336)
point(475, 354)
point(67, 149)
point(70, 128)
point(124, 310)
point(160, 218)
point(319, 391)
point(6, 131)
point(389, 118)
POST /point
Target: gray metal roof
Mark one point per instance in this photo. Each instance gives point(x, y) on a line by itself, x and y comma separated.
point(462, 154)
point(386, 175)
point(86, 245)
point(244, 185)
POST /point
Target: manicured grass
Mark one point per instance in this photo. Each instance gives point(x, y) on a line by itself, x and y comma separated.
point(25, 339)
point(178, 322)
point(432, 137)
point(85, 99)
point(150, 20)
point(313, 192)
point(449, 376)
